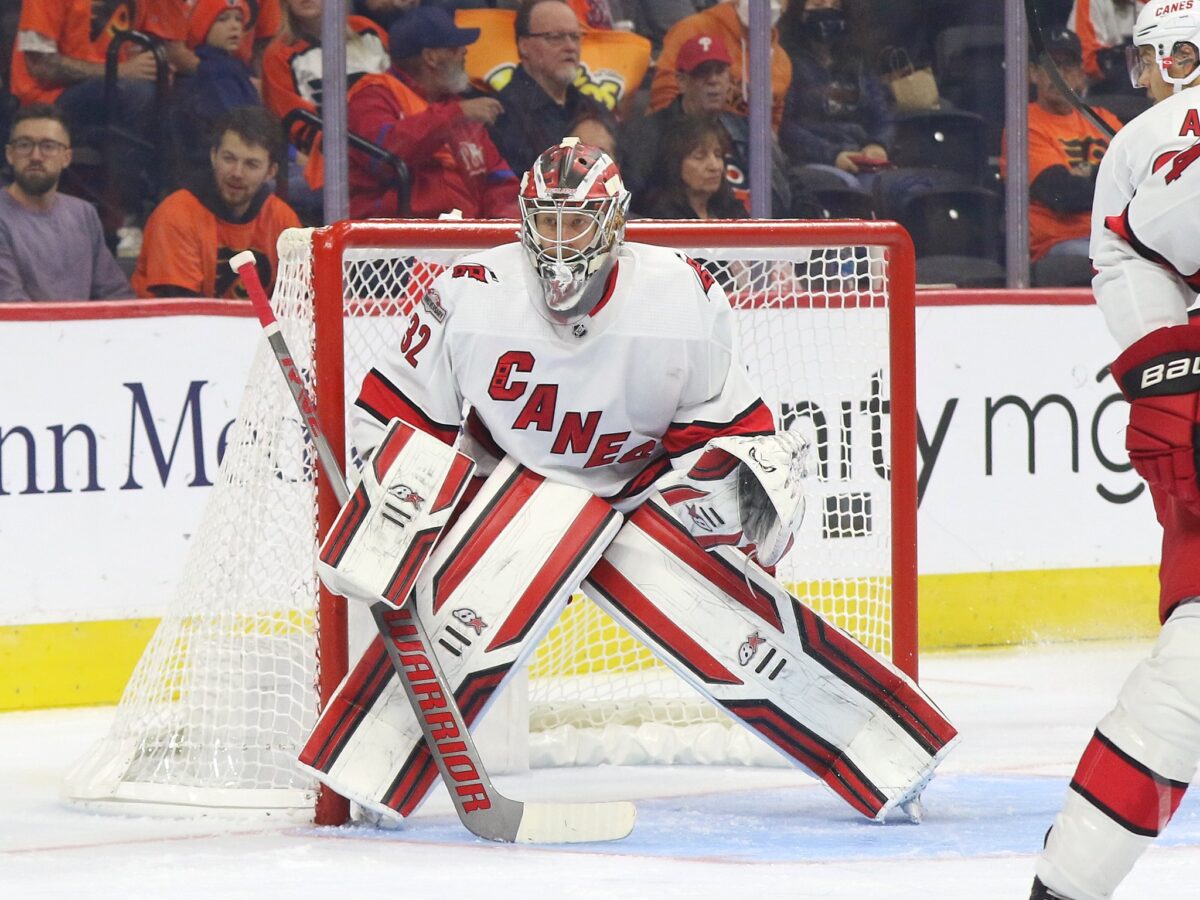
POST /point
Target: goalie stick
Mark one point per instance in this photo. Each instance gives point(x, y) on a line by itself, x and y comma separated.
point(484, 811)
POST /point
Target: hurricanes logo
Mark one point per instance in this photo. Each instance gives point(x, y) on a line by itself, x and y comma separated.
point(471, 619)
point(750, 647)
point(705, 519)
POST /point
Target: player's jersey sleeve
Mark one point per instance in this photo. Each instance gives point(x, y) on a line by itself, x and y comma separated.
point(415, 380)
point(1149, 270)
point(719, 398)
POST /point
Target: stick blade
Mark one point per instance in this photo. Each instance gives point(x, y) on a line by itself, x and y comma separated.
point(575, 823)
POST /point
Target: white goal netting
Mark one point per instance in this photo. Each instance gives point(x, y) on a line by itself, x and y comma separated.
point(224, 696)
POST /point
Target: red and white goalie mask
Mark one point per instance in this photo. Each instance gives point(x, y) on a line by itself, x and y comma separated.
point(573, 206)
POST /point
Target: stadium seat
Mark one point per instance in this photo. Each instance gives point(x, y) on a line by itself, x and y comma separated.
point(1123, 106)
point(970, 71)
point(895, 186)
point(960, 271)
point(845, 202)
point(1061, 271)
point(955, 222)
point(942, 139)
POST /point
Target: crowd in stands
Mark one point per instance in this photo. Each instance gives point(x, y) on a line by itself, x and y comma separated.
point(206, 138)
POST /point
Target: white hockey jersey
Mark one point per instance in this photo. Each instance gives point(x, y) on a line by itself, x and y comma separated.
point(607, 404)
point(1136, 293)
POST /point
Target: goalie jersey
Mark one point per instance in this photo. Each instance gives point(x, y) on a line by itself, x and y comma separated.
point(1148, 170)
point(607, 404)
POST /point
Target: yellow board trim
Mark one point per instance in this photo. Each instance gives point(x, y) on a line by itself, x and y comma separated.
point(88, 663)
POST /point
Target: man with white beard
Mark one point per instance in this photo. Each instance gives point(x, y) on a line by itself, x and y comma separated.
point(414, 111)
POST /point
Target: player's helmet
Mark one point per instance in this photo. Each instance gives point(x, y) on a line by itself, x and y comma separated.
point(573, 206)
point(1164, 25)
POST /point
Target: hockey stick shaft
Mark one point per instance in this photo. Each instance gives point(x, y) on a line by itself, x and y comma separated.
point(484, 811)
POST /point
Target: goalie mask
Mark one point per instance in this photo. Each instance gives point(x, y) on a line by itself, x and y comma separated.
point(573, 206)
point(1163, 26)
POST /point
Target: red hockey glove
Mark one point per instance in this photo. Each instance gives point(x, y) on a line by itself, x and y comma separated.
point(1160, 377)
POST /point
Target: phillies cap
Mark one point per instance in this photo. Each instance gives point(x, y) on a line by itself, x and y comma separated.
point(699, 50)
point(427, 28)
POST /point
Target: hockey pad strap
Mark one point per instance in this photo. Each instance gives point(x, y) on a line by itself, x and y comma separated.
point(770, 491)
point(385, 532)
point(1160, 377)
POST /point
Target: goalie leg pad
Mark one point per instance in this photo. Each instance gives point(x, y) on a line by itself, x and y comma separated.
point(492, 589)
point(1135, 770)
point(805, 687)
point(385, 532)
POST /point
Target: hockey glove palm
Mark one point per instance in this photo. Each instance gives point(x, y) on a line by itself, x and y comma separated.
point(1160, 377)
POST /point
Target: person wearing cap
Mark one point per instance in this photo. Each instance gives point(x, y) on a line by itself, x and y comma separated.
point(222, 81)
point(702, 70)
point(838, 121)
point(1104, 28)
point(541, 100)
point(414, 110)
point(1065, 150)
point(730, 22)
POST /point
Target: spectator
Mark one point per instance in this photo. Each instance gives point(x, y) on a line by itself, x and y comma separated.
point(654, 18)
point(51, 245)
point(292, 71)
point(541, 101)
point(596, 129)
point(838, 118)
point(222, 81)
point(728, 21)
point(1104, 28)
point(1065, 150)
point(229, 208)
point(59, 58)
point(702, 68)
point(414, 111)
point(383, 12)
point(691, 162)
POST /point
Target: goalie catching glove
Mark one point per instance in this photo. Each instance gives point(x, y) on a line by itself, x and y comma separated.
point(1160, 377)
point(384, 533)
point(743, 491)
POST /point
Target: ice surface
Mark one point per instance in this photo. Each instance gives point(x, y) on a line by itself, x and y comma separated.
point(708, 833)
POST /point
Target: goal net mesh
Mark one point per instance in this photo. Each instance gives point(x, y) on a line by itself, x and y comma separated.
point(224, 696)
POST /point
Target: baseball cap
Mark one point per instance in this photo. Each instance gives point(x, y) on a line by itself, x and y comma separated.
point(701, 49)
point(1063, 46)
point(427, 28)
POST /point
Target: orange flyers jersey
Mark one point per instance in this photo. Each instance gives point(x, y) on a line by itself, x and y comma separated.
point(80, 29)
point(1138, 295)
point(608, 404)
point(1068, 141)
point(187, 246)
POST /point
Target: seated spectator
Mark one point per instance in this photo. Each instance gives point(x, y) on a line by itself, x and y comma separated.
point(541, 101)
point(596, 129)
point(414, 111)
point(194, 232)
point(703, 73)
point(654, 18)
point(59, 58)
point(1065, 150)
point(838, 118)
point(222, 81)
point(292, 71)
point(1104, 28)
point(51, 245)
point(728, 21)
point(691, 164)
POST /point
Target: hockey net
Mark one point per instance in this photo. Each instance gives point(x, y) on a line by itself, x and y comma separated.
point(231, 683)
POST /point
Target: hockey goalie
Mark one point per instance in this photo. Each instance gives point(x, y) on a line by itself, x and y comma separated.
point(619, 448)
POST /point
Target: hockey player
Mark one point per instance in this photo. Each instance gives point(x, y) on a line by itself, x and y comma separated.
point(601, 381)
point(1144, 753)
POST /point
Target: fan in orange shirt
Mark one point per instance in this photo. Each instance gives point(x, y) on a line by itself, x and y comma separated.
point(191, 236)
point(1065, 150)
